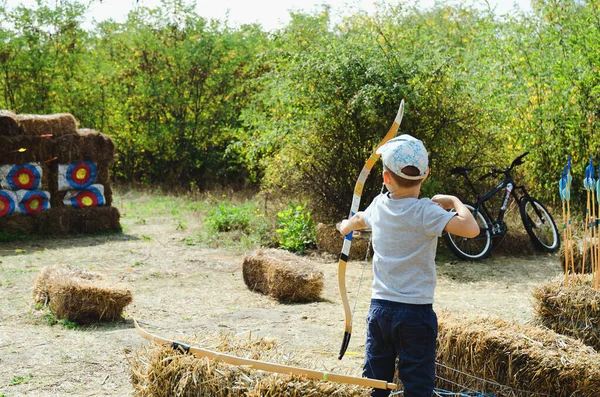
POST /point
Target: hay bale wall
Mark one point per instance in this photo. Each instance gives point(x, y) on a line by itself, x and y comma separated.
point(80, 296)
point(52, 140)
point(330, 240)
point(572, 310)
point(161, 371)
point(282, 275)
point(525, 358)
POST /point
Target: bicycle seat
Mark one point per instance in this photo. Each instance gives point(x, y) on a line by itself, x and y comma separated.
point(460, 170)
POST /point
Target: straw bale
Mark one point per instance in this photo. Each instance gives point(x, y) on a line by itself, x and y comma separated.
point(577, 256)
point(282, 275)
point(23, 149)
point(161, 371)
point(84, 145)
point(522, 357)
point(80, 296)
point(19, 223)
point(62, 221)
point(79, 220)
point(9, 126)
point(54, 124)
point(572, 310)
point(330, 240)
point(515, 242)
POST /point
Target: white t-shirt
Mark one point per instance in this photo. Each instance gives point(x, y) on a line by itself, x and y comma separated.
point(405, 233)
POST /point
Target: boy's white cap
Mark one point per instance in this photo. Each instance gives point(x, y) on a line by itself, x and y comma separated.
point(405, 151)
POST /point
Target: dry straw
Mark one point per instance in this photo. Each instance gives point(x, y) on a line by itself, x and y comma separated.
point(161, 371)
point(530, 360)
point(330, 240)
point(572, 310)
point(51, 124)
point(282, 275)
point(9, 126)
point(80, 296)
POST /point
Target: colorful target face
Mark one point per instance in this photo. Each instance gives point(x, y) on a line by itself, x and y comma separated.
point(21, 176)
point(92, 196)
point(76, 175)
point(33, 201)
point(8, 202)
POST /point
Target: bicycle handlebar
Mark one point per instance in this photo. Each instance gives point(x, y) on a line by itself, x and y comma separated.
point(505, 171)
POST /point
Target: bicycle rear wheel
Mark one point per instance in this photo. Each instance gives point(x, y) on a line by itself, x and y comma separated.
point(539, 225)
point(476, 248)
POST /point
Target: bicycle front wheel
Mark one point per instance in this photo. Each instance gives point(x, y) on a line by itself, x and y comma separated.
point(476, 248)
point(539, 225)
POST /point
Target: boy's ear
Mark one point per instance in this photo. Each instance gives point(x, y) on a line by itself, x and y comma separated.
point(387, 179)
point(426, 175)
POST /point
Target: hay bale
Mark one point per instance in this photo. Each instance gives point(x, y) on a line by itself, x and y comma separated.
point(161, 371)
point(50, 124)
point(572, 310)
point(515, 242)
point(80, 296)
point(522, 357)
point(85, 144)
point(9, 126)
point(64, 220)
point(330, 240)
point(577, 256)
point(282, 275)
point(23, 149)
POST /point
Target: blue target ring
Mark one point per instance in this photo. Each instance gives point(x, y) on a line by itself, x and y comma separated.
point(81, 175)
point(7, 204)
point(24, 176)
point(33, 202)
point(90, 197)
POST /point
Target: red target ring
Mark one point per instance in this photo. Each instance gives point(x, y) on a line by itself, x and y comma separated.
point(24, 178)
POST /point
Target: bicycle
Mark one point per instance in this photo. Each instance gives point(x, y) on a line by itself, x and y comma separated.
point(537, 220)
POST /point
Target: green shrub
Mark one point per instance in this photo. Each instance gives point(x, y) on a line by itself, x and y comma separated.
point(296, 230)
point(228, 217)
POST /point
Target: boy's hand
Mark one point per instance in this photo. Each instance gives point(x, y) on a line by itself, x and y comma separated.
point(344, 227)
point(446, 201)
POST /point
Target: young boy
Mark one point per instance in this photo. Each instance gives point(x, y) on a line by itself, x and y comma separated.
point(401, 321)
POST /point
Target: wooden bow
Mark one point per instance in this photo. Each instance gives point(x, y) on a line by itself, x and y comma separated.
point(265, 366)
point(358, 188)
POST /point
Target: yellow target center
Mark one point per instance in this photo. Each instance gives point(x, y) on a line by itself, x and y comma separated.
point(2, 206)
point(87, 201)
point(81, 173)
point(34, 204)
point(24, 179)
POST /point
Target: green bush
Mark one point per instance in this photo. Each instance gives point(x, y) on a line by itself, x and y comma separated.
point(296, 230)
point(228, 217)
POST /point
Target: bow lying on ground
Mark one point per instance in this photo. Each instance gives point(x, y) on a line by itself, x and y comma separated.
point(358, 188)
point(266, 366)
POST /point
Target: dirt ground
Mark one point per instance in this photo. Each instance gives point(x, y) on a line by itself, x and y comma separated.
point(180, 288)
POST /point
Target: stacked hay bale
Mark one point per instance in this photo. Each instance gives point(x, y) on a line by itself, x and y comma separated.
point(161, 371)
point(528, 359)
point(63, 153)
point(572, 310)
point(80, 296)
point(330, 240)
point(282, 275)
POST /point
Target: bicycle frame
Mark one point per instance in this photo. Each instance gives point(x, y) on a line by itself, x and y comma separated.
point(510, 189)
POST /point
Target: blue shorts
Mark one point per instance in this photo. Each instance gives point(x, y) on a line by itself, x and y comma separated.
point(409, 332)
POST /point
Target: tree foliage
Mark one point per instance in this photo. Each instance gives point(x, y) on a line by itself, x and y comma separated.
point(195, 102)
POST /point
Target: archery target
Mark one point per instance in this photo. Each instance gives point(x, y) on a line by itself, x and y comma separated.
point(91, 196)
point(8, 202)
point(76, 175)
point(33, 201)
point(21, 176)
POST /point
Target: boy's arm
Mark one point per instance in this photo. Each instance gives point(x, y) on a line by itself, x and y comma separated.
point(357, 222)
point(463, 224)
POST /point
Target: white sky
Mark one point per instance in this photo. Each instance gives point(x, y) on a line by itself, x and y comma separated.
point(271, 14)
